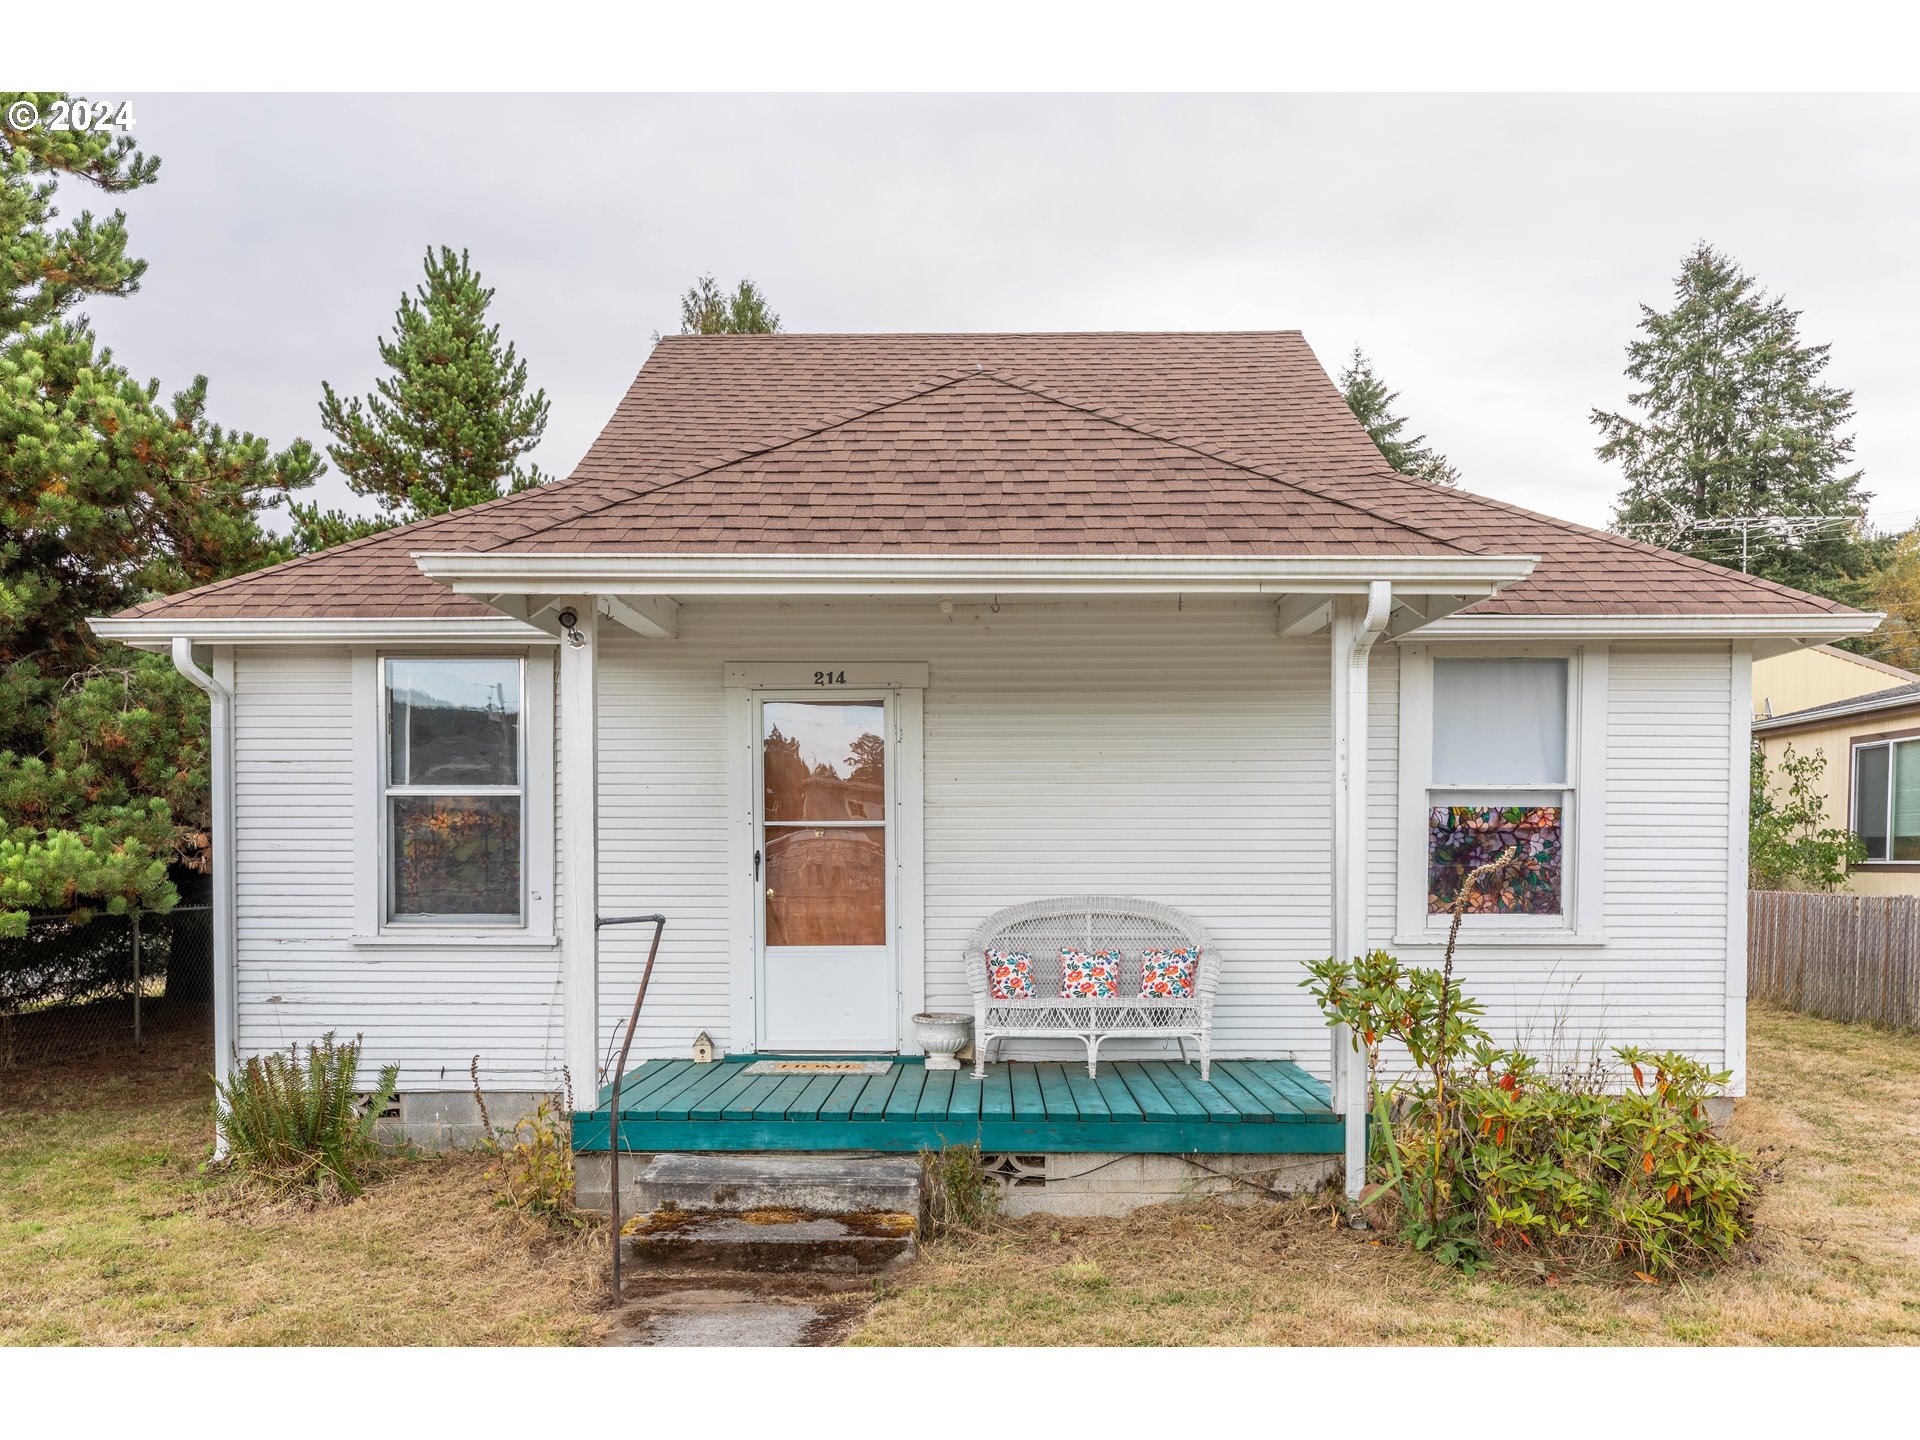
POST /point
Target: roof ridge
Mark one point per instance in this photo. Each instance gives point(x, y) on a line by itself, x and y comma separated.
point(1220, 457)
point(943, 380)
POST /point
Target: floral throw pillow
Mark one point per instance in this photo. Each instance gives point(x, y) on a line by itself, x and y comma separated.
point(1009, 975)
point(1168, 974)
point(1089, 974)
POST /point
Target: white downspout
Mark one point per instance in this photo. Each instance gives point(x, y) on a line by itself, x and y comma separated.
point(220, 763)
point(1356, 625)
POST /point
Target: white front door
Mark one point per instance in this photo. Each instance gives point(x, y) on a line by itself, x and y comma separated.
point(824, 862)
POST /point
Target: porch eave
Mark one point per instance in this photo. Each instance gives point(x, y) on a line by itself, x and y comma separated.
point(483, 575)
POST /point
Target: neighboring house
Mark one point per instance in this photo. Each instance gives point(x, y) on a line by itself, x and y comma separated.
point(1818, 675)
point(1871, 783)
point(834, 645)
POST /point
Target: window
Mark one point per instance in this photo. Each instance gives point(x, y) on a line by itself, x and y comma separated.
point(1499, 777)
point(1886, 799)
point(452, 790)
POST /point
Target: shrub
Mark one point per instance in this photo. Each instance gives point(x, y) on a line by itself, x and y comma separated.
point(959, 1194)
point(1482, 1152)
point(297, 1123)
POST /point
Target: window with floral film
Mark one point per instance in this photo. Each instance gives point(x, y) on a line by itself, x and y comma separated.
point(1499, 780)
point(453, 790)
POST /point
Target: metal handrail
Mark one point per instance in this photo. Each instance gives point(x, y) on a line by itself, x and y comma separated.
point(659, 923)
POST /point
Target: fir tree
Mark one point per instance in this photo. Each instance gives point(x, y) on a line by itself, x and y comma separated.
point(453, 422)
point(1737, 452)
point(1372, 405)
point(108, 495)
point(708, 310)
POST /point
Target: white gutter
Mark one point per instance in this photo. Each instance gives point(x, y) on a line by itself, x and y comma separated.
point(220, 762)
point(1813, 627)
point(484, 574)
point(159, 631)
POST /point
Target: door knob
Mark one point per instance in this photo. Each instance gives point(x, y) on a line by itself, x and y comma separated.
point(769, 892)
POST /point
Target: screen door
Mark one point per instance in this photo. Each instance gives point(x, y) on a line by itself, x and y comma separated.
point(824, 864)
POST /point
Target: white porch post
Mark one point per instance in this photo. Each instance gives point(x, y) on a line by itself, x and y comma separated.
point(579, 862)
point(1357, 622)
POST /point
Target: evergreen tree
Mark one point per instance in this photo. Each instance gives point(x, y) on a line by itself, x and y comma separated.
point(108, 495)
point(1372, 405)
point(452, 423)
point(46, 269)
point(1738, 452)
point(708, 310)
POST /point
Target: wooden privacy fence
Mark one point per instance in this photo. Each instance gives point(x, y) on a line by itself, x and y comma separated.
point(1847, 957)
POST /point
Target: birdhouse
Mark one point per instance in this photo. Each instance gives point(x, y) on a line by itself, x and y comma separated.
point(703, 1049)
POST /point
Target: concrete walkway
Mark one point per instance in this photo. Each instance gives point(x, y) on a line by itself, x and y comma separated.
point(739, 1309)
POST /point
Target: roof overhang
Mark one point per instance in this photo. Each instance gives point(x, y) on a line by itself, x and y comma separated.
point(1768, 634)
point(484, 575)
point(156, 632)
point(1819, 717)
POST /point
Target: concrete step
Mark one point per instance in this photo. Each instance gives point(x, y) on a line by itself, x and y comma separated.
point(771, 1240)
point(816, 1184)
point(775, 1213)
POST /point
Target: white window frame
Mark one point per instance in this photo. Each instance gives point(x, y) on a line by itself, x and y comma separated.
point(534, 928)
point(1888, 743)
point(1583, 821)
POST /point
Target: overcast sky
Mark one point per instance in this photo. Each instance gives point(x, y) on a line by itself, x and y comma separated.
point(1490, 254)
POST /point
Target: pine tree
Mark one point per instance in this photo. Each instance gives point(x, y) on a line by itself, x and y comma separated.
point(452, 423)
point(1372, 405)
point(108, 495)
point(708, 310)
point(1738, 453)
point(46, 269)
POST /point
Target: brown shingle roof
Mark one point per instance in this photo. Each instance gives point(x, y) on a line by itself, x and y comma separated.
point(1093, 443)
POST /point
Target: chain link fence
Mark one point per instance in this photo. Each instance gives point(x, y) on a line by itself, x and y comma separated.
point(71, 989)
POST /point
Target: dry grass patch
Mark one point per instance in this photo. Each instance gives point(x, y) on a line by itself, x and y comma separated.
point(110, 1234)
point(1833, 1109)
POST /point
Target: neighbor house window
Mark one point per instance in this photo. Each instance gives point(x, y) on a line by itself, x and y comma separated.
point(1500, 778)
point(1886, 799)
point(453, 790)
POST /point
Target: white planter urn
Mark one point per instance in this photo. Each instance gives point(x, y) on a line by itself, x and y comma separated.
point(943, 1034)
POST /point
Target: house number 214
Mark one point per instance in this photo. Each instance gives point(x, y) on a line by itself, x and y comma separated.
point(829, 677)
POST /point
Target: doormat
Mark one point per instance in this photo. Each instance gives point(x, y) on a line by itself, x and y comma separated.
point(819, 1067)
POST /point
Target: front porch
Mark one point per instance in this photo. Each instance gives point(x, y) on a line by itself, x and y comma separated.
point(1246, 1107)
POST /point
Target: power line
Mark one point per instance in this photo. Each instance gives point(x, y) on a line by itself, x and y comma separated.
point(1789, 529)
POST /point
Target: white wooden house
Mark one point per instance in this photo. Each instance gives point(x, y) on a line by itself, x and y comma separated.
point(1023, 616)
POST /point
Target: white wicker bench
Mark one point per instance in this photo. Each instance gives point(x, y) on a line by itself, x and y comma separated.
point(1042, 927)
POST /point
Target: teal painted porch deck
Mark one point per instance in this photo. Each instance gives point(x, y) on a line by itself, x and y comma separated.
point(1247, 1107)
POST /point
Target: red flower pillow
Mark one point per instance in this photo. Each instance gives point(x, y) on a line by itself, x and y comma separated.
point(1089, 974)
point(1168, 974)
point(1009, 975)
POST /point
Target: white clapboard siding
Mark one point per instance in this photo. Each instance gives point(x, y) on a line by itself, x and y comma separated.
point(1168, 749)
point(1149, 748)
point(300, 974)
point(1660, 980)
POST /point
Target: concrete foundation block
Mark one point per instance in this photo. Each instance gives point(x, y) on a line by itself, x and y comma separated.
point(450, 1119)
point(1118, 1184)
